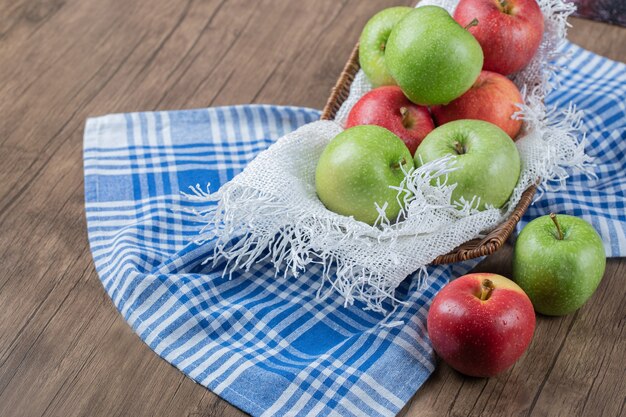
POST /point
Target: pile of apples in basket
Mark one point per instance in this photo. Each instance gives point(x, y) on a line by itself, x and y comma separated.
point(441, 88)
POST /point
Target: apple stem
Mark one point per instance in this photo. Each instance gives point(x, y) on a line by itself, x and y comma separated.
point(486, 289)
point(405, 116)
point(398, 164)
point(473, 23)
point(558, 226)
point(459, 148)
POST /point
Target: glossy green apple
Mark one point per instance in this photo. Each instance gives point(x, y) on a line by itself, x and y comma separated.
point(559, 261)
point(486, 160)
point(356, 170)
point(431, 57)
point(373, 41)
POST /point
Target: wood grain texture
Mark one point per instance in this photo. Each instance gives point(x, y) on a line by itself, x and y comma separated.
point(64, 350)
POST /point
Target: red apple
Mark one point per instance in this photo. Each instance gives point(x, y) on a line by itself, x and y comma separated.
point(509, 31)
point(480, 324)
point(492, 98)
point(388, 107)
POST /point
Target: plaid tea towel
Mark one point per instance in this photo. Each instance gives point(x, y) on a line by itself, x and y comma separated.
point(266, 344)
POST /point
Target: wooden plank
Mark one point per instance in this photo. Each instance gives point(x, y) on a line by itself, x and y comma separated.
point(563, 369)
point(64, 350)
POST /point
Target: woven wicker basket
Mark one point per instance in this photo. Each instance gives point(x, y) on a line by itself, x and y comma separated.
point(468, 250)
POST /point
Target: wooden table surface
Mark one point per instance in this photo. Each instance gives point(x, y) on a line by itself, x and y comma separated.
point(64, 350)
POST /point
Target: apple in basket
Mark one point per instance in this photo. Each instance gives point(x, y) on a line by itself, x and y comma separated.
point(559, 261)
point(388, 107)
point(431, 57)
point(509, 31)
point(486, 160)
point(356, 169)
point(373, 43)
point(493, 98)
point(481, 324)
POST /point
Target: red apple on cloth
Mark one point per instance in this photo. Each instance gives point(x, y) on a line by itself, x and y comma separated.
point(509, 31)
point(481, 324)
point(388, 107)
point(493, 98)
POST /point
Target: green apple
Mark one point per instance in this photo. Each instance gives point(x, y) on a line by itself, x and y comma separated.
point(431, 57)
point(559, 262)
point(373, 41)
point(486, 160)
point(356, 170)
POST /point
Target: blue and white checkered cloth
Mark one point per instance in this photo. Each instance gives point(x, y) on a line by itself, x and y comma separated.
point(266, 344)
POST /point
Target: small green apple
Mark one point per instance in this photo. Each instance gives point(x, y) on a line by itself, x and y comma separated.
point(559, 261)
point(431, 57)
point(356, 170)
point(373, 42)
point(486, 160)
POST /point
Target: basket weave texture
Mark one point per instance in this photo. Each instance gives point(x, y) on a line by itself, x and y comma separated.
point(472, 249)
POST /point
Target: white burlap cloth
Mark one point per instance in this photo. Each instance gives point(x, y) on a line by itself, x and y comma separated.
point(271, 209)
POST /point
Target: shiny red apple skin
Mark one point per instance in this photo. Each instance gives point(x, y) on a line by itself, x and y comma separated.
point(492, 98)
point(509, 35)
point(383, 107)
point(481, 338)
